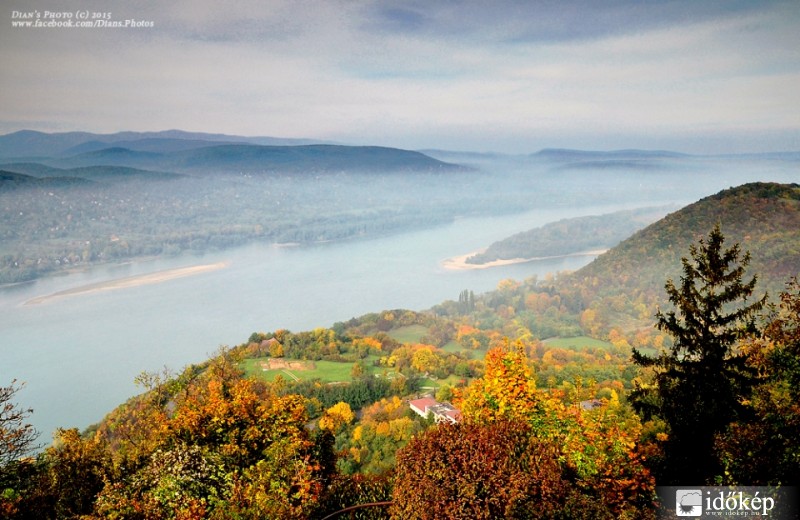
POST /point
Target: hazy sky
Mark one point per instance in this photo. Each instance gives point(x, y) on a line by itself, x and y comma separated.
point(487, 75)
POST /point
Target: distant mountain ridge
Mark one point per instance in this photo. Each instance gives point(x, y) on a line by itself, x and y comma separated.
point(186, 152)
point(30, 143)
point(153, 144)
point(245, 158)
point(566, 154)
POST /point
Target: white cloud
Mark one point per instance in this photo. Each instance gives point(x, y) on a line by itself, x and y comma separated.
point(417, 75)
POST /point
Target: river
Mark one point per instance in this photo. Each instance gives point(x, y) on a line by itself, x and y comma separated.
point(78, 354)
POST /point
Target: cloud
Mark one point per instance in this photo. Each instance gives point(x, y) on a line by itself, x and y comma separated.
point(419, 73)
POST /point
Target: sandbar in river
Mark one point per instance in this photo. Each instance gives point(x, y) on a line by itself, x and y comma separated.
point(130, 281)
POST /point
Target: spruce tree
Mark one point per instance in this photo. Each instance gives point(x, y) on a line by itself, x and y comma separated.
point(702, 381)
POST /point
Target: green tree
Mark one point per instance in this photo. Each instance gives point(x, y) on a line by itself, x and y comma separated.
point(702, 381)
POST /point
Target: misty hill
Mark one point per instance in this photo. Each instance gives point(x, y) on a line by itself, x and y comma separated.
point(12, 180)
point(122, 204)
point(146, 145)
point(568, 155)
point(763, 217)
point(568, 236)
point(264, 159)
point(95, 173)
point(29, 143)
point(33, 169)
point(631, 160)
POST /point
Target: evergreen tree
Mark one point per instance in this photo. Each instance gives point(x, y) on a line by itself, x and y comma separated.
point(466, 301)
point(702, 381)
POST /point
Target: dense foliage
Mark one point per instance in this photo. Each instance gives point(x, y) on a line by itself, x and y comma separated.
point(623, 286)
point(523, 453)
point(766, 449)
point(556, 421)
point(568, 236)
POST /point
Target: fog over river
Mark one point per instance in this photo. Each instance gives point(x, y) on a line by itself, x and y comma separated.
point(78, 352)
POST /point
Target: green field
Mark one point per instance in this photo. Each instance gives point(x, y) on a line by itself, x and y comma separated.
point(436, 383)
point(328, 371)
point(576, 343)
point(454, 347)
point(408, 334)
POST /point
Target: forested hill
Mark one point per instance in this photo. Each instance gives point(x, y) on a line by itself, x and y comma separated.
point(12, 180)
point(570, 236)
point(249, 158)
point(763, 217)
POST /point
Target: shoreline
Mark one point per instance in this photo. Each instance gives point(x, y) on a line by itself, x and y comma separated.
point(459, 263)
point(130, 281)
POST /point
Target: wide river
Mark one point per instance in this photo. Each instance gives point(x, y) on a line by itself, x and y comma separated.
point(78, 354)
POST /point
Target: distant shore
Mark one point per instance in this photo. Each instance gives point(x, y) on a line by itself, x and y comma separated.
point(130, 281)
point(459, 263)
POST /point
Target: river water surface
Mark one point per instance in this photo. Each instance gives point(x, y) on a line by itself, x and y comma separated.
point(78, 354)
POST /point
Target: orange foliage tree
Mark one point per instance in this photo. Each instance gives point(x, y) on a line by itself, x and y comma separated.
point(227, 448)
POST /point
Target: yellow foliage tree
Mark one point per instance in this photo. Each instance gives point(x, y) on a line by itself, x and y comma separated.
point(598, 447)
point(336, 417)
point(276, 349)
point(425, 359)
point(506, 391)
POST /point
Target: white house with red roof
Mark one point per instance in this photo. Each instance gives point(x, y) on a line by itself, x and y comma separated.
point(442, 412)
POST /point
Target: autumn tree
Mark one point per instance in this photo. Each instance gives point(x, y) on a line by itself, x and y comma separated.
point(16, 435)
point(597, 451)
point(275, 349)
point(368, 446)
point(506, 391)
point(73, 470)
point(227, 447)
point(701, 382)
point(336, 417)
point(502, 470)
point(17, 438)
point(766, 449)
point(478, 472)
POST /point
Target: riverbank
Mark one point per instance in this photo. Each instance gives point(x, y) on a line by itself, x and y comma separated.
point(459, 263)
point(130, 281)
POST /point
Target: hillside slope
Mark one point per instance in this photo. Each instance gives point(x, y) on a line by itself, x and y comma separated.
point(763, 217)
point(569, 236)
